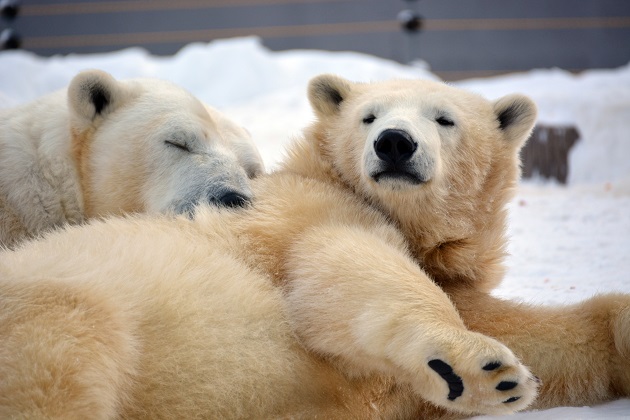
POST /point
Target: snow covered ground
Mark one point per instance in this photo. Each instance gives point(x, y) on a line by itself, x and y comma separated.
point(567, 242)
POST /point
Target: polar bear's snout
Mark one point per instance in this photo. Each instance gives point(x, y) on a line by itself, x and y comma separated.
point(396, 156)
point(222, 198)
point(232, 199)
point(394, 146)
point(220, 181)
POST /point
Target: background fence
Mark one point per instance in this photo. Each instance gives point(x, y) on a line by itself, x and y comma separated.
point(458, 38)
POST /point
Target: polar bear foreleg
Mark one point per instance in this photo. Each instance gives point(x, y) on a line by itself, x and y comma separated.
point(356, 298)
point(581, 352)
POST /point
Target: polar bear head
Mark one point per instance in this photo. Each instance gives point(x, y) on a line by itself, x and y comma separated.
point(149, 146)
point(441, 161)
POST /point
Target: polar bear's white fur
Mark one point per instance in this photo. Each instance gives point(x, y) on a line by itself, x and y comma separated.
point(324, 298)
point(103, 147)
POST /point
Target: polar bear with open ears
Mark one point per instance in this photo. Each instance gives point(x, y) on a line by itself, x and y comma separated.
point(324, 298)
point(442, 164)
point(107, 147)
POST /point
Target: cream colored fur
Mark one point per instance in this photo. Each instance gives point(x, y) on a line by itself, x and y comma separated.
point(98, 148)
point(316, 301)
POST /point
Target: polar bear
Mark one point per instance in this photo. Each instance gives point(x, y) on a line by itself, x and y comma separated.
point(456, 228)
point(315, 300)
point(107, 147)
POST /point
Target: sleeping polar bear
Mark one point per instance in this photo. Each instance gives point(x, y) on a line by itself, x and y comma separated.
point(106, 147)
point(325, 297)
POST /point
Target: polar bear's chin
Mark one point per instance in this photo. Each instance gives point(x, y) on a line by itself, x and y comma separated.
point(398, 179)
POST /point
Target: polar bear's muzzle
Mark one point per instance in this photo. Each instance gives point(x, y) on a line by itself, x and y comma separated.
point(397, 157)
point(223, 198)
point(231, 199)
point(394, 147)
point(214, 180)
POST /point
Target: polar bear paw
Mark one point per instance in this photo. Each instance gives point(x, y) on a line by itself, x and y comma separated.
point(479, 376)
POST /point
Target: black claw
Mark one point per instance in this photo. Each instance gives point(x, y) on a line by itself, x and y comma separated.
point(511, 400)
point(492, 366)
point(506, 386)
point(455, 384)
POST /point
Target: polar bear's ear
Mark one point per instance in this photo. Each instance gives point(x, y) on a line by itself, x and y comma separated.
point(326, 92)
point(93, 93)
point(516, 115)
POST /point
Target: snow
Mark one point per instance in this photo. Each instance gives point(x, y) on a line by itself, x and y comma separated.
point(596, 101)
point(567, 242)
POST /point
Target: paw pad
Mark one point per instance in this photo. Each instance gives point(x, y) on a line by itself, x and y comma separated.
point(492, 366)
point(506, 386)
point(455, 383)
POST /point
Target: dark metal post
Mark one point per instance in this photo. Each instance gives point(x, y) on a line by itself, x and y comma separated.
point(411, 23)
point(9, 38)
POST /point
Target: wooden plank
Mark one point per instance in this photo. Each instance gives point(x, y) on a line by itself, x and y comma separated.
point(546, 153)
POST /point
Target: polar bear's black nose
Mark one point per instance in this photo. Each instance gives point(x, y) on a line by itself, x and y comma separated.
point(394, 146)
point(233, 199)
